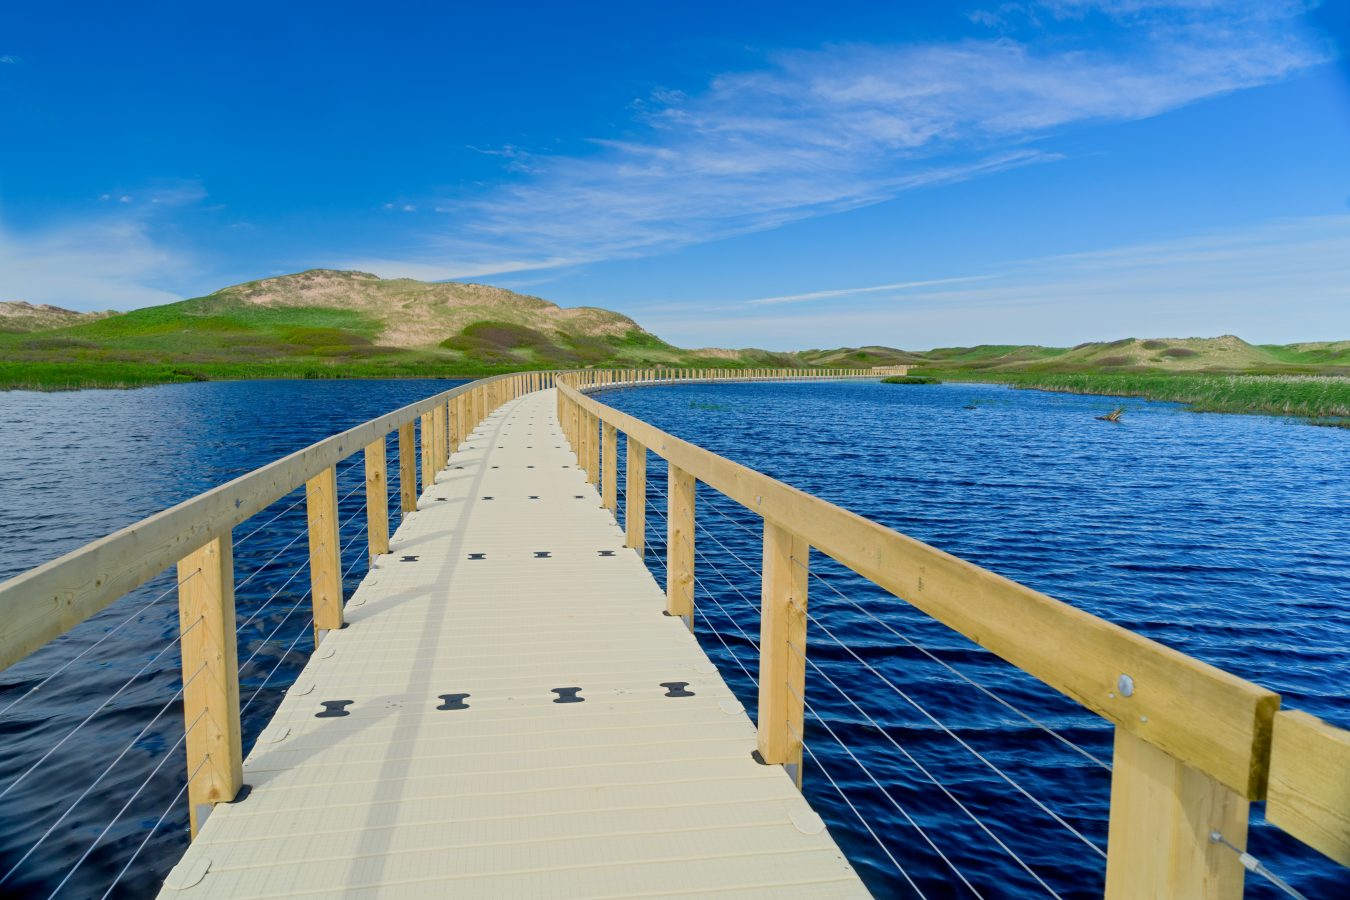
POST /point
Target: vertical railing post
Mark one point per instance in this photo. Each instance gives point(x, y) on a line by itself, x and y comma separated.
point(609, 468)
point(438, 424)
point(377, 499)
point(592, 442)
point(782, 648)
point(635, 497)
point(325, 558)
point(407, 468)
point(428, 436)
point(452, 417)
point(209, 647)
point(680, 545)
point(1162, 814)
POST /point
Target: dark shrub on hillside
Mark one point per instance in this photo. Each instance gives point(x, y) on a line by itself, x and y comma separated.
point(1179, 352)
point(1153, 345)
point(1114, 361)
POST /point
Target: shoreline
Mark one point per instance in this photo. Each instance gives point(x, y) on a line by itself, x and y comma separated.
point(1316, 399)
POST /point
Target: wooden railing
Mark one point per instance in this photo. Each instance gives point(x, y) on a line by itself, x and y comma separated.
point(1194, 745)
point(196, 537)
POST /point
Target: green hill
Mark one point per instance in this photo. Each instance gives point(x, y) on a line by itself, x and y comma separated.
point(328, 324)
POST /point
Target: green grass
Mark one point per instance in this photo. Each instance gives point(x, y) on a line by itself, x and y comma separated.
point(1325, 398)
point(910, 379)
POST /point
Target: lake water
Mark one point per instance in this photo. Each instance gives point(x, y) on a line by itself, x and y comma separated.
point(1222, 536)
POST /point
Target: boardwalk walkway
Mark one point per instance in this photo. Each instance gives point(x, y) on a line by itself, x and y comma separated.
point(460, 765)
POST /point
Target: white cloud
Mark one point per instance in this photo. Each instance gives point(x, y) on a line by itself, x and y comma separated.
point(853, 292)
point(113, 264)
point(1276, 283)
point(113, 260)
point(826, 130)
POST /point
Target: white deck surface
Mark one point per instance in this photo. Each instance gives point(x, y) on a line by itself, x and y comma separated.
point(629, 793)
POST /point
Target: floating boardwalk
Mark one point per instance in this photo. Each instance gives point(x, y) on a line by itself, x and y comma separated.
point(510, 706)
point(510, 714)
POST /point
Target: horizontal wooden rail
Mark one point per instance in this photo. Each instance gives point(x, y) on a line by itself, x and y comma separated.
point(48, 601)
point(1193, 743)
point(1200, 714)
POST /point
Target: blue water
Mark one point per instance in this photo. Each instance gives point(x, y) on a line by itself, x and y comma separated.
point(1222, 536)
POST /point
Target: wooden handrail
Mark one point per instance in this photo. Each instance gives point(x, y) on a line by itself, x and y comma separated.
point(45, 602)
point(1204, 716)
point(1193, 743)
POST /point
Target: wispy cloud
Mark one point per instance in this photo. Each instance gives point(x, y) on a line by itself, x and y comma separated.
point(1243, 282)
point(821, 131)
point(111, 260)
point(857, 291)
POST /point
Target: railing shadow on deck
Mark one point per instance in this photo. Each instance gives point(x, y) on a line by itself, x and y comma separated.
point(1194, 746)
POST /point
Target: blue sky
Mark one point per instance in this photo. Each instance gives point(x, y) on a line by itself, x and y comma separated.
point(769, 174)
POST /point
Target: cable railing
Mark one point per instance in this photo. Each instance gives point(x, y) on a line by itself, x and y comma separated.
point(1194, 746)
point(306, 513)
point(303, 515)
point(315, 508)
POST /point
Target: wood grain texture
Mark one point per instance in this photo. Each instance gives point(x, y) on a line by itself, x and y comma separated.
point(210, 648)
point(325, 558)
point(377, 499)
point(609, 468)
point(1162, 814)
point(407, 468)
point(635, 497)
point(782, 648)
point(680, 496)
point(1309, 794)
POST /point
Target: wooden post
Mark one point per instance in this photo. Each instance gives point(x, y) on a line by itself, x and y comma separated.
point(592, 442)
point(407, 469)
point(680, 545)
point(325, 557)
point(377, 499)
point(211, 677)
point(609, 496)
point(635, 498)
point(428, 451)
point(1162, 814)
point(439, 444)
point(782, 648)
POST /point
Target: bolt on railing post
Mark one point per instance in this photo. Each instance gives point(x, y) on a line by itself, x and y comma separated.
point(609, 495)
point(210, 649)
point(377, 499)
point(1163, 812)
point(782, 648)
point(635, 497)
point(407, 468)
point(325, 558)
point(680, 545)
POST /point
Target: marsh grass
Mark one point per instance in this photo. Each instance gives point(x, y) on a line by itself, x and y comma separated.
point(910, 379)
point(1317, 397)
